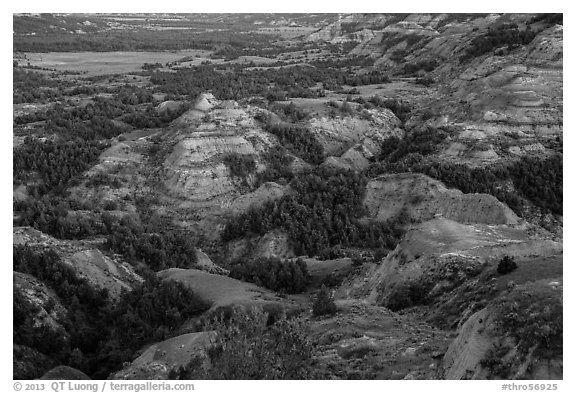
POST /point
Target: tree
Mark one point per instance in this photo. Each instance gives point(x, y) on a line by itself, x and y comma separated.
point(324, 304)
point(506, 265)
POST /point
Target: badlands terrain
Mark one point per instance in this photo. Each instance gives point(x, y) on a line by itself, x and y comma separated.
point(288, 196)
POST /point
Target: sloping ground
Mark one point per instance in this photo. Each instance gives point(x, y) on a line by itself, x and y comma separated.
point(194, 168)
point(339, 134)
point(181, 169)
point(160, 358)
point(507, 102)
point(364, 341)
point(325, 270)
point(481, 333)
point(221, 290)
point(166, 106)
point(422, 198)
point(500, 100)
point(49, 315)
point(439, 241)
point(50, 310)
point(267, 191)
point(64, 372)
point(445, 273)
point(103, 272)
point(523, 88)
point(27, 361)
point(204, 103)
point(88, 262)
point(204, 262)
point(124, 162)
point(466, 351)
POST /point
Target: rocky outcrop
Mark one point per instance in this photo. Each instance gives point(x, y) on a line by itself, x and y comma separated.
point(86, 260)
point(275, 243)
point(462, 360)
point(194, 169)
point(50, 311)
point(440, 242)
point(205, 102)
point(341, 134)
point(326, 33)
point(169, 106)
point(204, 262)
point(422, 198)
point(159, 359)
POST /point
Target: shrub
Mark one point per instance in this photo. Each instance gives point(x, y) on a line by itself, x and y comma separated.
point(405, 295)
point(533, 316)
point(246, 346)
point(324, 304)
point(494, 361)
point(506, 265)
point(529, 324)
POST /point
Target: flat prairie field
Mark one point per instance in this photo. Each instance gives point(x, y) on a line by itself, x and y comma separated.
point(100, 63)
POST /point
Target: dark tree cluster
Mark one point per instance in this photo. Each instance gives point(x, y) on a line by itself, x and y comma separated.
point(130, 104)
point(299, 140)
point(506, 265)
point(410, 69)
point(507, 34)
point(151, 312)
point(239, 165)
point(54, 162)
point(407, 294)
point(349, 61)
point(277, 84)
point(98, 335)
point(154, 245)
point(277, 166)
point(290, 112)
point(140, 39)
point(151, 66)
point(424, 141)
point(151, 118)
point(31, 86)
point(540, 181)
point(323, 211)
point(549, 19)
point(54, 215)
point(158, 250)
point(273, 273)
point(234, 50)
point(90, 122)
point(294, 81)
